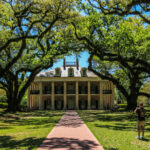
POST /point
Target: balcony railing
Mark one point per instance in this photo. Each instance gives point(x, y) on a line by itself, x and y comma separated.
point(34, 92)
point(107, 91)
point(70, 91)
point(46, 92)
point(94, 91)
point(83, 91)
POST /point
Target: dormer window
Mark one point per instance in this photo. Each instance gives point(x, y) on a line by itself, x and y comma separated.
point(70, 72)
point(84, 72)
point(57, 72)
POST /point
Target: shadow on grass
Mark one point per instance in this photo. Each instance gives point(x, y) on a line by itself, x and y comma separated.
point(146, 140)
point(114, 120)
point(33, 121)
point(8, 142)
point(117, 127)
point(68, 143)
point(35, 113)
point(30, 118)
point(90, 117)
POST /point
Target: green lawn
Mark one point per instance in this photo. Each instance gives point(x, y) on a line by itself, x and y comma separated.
point(26, 130)
point(116, 131)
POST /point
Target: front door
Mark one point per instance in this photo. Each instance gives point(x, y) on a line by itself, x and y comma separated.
point(71, 103)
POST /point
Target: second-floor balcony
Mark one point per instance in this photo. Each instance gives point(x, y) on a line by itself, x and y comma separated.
point(70, 91)
point(83, 91)
point(46, 91)
point(107, 91)
point(94, 91)
point(59, 92)
point(34, 92)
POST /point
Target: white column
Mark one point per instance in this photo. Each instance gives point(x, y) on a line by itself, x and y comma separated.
point(89, 95)
point(77, 95)
point(40, 99)
point(53, 95)
point(101, 95)
point(65, 95)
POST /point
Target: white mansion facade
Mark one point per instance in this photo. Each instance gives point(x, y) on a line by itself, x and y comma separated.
point(70, 87)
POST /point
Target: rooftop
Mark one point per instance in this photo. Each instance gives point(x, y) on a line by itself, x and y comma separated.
point(64, 71)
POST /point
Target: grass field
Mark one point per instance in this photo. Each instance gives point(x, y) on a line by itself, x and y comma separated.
point(116, 131)
point(26, 130)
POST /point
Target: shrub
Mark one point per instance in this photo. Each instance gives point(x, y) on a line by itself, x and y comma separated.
point(3, 98)
point(121, 109)
point(3, 105)
point(122, 105)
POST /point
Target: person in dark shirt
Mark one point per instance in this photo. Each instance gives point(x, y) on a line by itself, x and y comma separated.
point(140, 111)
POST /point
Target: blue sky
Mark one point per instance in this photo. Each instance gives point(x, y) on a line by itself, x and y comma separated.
point(83, 60)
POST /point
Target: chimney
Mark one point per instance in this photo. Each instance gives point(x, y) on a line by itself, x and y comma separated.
point(77, 64)
point(64, 64)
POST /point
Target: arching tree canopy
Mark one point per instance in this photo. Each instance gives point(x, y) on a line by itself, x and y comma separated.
point(36, 32)
point(140, 8)
point(119, 50)
point(32, 38)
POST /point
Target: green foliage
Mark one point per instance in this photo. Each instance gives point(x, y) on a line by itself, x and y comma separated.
point(122, 105)
point(3, 97)
point(145, 88)
point(123, 7)
point(32, 39)
point(119, 49)
point(3, 105)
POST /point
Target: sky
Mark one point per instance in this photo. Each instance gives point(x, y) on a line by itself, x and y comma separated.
point(83, 60)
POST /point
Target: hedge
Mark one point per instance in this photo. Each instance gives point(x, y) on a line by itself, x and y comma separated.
point(122, 105)
point(3, 105)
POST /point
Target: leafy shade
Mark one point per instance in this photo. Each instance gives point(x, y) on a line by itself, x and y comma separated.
point(119, 49)
point(32, 38)
point(140, 8)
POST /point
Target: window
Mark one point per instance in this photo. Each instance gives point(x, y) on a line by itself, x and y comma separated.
point(84, 72)
point(47, 89)
point(70, 72)
point(83, 89)
point(57, 72)
point(107, 91)
point(59, 89)
point(34, 92)
point(94, 89)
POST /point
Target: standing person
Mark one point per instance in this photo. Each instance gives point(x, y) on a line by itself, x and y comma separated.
point(141, 120)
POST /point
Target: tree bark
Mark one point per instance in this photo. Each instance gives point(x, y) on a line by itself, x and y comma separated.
point(13, 106)
point(132, 101)
point(12, 99)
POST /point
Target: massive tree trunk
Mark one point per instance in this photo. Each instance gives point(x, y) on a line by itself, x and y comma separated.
point(13, 98)
point(13, 104)
point(132, 99)
point(132, 102)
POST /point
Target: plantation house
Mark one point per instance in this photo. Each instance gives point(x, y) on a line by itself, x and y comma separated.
point(70, 87)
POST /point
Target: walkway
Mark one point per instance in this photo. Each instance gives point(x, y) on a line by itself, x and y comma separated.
point(70, 134)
